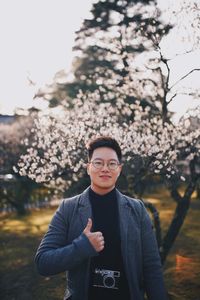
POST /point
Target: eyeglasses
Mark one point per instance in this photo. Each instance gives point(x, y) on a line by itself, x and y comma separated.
point(99, 164)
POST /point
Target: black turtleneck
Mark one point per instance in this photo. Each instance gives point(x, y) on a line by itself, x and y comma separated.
point(106, 219)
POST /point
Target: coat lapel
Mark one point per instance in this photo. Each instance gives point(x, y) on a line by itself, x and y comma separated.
point(124, 219)
point(85, 210)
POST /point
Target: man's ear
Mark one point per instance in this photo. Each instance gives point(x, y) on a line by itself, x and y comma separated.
point(88, 170)
point(120, 169)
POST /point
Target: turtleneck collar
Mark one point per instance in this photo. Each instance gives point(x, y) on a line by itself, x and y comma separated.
point(108, 195)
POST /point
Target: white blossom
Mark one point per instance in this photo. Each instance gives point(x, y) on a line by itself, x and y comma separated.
point(60, 139)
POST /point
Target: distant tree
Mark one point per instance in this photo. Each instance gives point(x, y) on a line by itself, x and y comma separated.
point(114, 47)
point(185, 38)
point(14, 189)
point(11, 147)
point(128, 39)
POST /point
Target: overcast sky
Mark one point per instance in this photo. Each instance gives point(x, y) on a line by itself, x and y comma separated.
point(36, 41)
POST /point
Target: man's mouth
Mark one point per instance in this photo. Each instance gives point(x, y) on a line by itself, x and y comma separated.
point(105, 176)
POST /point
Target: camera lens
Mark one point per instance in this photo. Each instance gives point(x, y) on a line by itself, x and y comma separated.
point(108, 281)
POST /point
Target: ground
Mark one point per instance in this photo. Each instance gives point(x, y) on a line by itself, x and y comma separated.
point(20, 237)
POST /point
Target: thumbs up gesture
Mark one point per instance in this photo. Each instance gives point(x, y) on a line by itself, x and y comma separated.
point(95, 238)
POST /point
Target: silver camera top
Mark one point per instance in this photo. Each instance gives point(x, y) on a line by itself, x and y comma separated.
point(106, 278)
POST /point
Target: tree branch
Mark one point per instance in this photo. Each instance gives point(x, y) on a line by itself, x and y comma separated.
point(170, 100)
point(183, 77)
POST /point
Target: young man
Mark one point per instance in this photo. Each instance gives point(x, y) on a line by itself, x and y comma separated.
point(103, 239)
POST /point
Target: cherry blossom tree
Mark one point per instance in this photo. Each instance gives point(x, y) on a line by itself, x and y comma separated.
point(60, 139)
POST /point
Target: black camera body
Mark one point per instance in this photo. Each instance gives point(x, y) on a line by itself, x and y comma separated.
point(106, 278)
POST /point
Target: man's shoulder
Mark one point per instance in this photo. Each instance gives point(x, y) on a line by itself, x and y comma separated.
point(133, 202)
point(71, 200)
point(68, 205)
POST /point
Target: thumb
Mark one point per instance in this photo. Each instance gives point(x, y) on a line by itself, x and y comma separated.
point(89, 225)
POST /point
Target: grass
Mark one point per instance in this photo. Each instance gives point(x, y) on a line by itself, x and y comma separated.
point(20, 237)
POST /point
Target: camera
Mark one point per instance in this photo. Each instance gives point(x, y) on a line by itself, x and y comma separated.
point(106, 278)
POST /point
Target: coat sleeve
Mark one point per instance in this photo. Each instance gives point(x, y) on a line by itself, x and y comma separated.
point(54, 254)
point(152, 268)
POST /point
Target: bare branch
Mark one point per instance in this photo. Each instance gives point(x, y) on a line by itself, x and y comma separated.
point(150, 80)
point(183, 77)
point(182, 93)
point(170, 100)
point(181, 54)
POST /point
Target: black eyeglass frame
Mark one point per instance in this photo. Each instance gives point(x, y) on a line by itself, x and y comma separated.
point(103, 163)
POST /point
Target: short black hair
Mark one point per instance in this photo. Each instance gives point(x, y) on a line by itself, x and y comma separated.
point(104, 141)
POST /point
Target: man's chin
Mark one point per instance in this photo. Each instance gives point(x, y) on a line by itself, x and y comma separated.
point(106, 186)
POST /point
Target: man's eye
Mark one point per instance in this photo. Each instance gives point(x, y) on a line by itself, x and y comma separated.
point(113, 164)
point(98, 163)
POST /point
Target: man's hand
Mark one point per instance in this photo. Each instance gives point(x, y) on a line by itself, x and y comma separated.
point(95, 238)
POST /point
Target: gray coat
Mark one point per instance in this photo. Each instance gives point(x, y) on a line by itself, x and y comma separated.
point(65, 248)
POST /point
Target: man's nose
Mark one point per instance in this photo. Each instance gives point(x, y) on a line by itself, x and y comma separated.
point(105, 167)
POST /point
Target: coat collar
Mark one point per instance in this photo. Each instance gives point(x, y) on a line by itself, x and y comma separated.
point(85, 211)
point(85, 202)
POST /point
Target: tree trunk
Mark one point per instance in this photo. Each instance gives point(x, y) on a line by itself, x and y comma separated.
point(174, 228)
point(198, 191)
point(183, 204)
point(20, 208)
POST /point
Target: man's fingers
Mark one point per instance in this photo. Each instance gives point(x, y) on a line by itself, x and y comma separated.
point(102, 243)
point(101, 246)
point(101, 238)
point(98, 234)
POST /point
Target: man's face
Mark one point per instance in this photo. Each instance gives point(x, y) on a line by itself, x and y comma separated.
point(103, 179)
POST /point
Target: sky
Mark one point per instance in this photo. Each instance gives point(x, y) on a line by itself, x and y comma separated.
point(36, 41)
point(37, 37)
